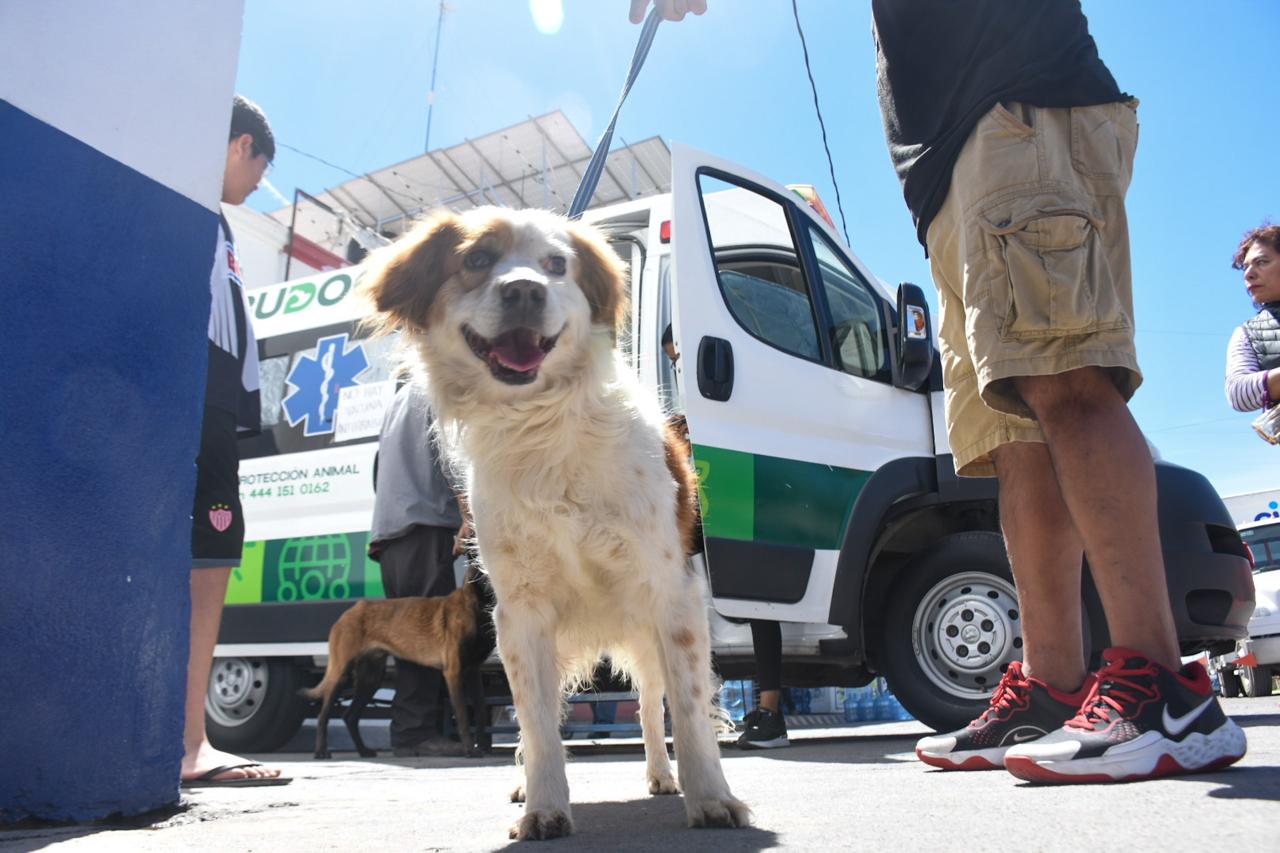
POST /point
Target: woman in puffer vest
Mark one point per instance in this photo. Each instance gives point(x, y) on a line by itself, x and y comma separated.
point(1253, 355)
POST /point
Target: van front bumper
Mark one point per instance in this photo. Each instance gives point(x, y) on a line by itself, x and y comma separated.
point(1210, 580)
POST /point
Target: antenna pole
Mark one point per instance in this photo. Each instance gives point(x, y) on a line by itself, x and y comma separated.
point(431, 94)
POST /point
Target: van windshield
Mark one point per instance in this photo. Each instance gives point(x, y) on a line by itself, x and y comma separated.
point(1264, 542)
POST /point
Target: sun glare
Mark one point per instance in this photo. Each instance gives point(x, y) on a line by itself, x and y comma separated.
point(548, 15)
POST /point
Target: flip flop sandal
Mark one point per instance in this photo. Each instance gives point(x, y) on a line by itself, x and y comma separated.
point(208, 779)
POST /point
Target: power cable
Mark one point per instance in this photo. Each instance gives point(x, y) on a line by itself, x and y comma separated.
point(342, 169)
point(355, 175)
point(818, 109)
point(1192, 424)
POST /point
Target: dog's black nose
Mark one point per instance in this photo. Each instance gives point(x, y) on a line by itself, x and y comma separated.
point(516, 294)
point(523, 301)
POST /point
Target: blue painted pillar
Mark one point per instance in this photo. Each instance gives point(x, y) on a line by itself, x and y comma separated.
point(113, 132)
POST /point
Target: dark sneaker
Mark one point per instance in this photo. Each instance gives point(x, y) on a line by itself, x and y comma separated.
point(763, 729)
point(1141, 721)
point(1021, 710)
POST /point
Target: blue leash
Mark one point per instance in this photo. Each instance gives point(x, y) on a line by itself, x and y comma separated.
point(591, 177)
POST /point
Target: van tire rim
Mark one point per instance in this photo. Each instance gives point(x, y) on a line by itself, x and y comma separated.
point(965, 631)
point(237, 688)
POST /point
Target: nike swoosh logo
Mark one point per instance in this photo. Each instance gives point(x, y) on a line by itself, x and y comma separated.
point(1023, 734)
point(1177, 725)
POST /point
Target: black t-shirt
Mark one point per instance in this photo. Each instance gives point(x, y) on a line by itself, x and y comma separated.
point(942, 64)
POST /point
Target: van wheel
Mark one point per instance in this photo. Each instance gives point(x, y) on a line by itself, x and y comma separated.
point(1228, 683)
point(951, 627)
point(1256, 680)
point(253, 704)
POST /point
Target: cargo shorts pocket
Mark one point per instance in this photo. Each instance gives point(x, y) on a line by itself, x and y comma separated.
point(1055, 280)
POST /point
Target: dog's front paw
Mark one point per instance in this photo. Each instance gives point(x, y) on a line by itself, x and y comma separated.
point(517, 795)
point(539, 826)
point(665, 784)
point(368, 753)
point(724, 813)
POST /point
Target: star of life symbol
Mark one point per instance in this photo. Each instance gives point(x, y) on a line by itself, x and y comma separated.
point(316, 380)
point(220, 517)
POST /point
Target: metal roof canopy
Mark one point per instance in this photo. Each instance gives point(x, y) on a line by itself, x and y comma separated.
point(536, 163)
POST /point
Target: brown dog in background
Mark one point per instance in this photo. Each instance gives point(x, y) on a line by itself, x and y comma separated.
point(453, 633)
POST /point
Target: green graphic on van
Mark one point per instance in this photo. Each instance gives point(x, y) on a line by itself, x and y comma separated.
point(245, 586)
point(770, 499)
point(300, 296)
point(308, 568)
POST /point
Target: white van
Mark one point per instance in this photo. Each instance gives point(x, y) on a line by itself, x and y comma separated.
point(1251, 667)
point(828, 494)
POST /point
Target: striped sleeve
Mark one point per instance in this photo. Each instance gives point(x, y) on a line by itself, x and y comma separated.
point(1246, 383)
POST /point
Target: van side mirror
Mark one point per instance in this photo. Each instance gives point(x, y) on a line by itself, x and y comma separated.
point(913, 357)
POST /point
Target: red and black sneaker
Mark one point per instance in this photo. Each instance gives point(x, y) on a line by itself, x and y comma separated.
point(1021, 710)
point(1141, 721)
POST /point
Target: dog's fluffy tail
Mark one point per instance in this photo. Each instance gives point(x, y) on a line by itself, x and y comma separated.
point(332, 675)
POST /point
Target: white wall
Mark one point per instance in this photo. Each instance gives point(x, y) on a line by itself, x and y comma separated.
point(260, 242)
point(155, 123)
point(1247, 507)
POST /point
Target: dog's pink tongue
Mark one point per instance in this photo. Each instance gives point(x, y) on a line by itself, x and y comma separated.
point(518, 349)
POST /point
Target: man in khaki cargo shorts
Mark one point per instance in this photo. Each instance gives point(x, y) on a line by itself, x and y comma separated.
point(1015, 149)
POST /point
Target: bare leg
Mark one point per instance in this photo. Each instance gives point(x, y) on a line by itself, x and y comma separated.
point(1107, 481)
point(1045, 554)
point(769, 699)
point(208, 592)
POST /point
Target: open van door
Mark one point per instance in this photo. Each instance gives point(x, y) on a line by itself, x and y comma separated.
point(788, 382)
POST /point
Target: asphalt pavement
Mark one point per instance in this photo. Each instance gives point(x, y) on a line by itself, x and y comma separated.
point(836, 788)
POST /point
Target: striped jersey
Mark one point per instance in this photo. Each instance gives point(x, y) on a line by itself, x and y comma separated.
point(232, 383)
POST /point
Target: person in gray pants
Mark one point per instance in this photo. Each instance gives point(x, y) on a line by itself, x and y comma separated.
point(417, 530)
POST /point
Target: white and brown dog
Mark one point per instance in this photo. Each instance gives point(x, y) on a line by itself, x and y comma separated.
point(583, 503)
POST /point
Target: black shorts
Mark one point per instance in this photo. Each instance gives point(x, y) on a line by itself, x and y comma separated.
point(217, 519)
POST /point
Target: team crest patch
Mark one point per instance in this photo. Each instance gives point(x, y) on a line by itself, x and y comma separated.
point(220, 517)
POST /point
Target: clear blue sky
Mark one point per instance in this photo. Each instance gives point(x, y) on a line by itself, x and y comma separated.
point(347, 82)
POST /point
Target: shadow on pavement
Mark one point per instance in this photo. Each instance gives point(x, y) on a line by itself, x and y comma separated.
point(1236, 783)
point(31, 834)
point(1243, 783)
point(863, 749)
point(1247, 721)
point(652, 823)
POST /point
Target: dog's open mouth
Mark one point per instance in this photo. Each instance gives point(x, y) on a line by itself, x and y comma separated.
point(513, 356)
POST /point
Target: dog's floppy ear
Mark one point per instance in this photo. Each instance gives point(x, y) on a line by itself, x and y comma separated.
point(601, 275)
point(402, 280)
